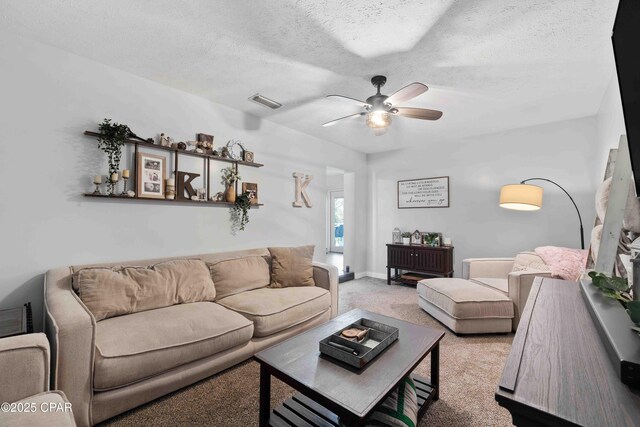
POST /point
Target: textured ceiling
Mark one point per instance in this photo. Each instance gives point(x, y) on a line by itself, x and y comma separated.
point(491, 65)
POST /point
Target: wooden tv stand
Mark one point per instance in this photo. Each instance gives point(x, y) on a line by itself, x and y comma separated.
point(558, 372)
point(436, 261)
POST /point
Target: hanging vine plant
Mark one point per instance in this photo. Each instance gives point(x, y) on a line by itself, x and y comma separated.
point(111, 140)
point(240, 211)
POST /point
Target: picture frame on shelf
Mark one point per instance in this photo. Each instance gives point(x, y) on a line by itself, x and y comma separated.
point(248, 156)
point(151, 176)
point(252, 189)
point(432, 239)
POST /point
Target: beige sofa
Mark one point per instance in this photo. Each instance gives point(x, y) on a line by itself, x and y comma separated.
point(110, 366)
point(512, 277)
point(24, 382)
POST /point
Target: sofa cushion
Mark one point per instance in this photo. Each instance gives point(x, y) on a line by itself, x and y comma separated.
point(232, 276)
point(463, 299)
point(499, 284)
point(140, 345)
point(111, 292)
point(292, 266)
point(52, 409)
point(273, 310)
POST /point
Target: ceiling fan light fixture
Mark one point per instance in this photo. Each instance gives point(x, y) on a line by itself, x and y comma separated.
point(378, 119)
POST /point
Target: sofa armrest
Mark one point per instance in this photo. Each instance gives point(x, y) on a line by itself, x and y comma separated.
point(24, 366)
point(326, 276)
point(520, 283)
point(498, 268)
point(70, 327)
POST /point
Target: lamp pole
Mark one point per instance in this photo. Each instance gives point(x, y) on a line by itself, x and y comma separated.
point(570, 198)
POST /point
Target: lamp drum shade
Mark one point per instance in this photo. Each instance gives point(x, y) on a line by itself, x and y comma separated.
point(521, 197)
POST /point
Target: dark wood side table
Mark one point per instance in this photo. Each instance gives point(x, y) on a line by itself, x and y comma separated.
point(331, 391)
point(437, 261)
point(558, 372)
point(16, 321)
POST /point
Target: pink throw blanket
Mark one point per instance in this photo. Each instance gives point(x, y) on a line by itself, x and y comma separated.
point(565, 263)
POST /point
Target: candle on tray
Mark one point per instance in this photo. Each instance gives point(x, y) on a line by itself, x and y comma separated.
point(114, 177)
point(97, 179)
point(125, 173)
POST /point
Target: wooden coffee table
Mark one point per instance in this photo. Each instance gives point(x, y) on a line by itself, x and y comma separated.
point(331, 391)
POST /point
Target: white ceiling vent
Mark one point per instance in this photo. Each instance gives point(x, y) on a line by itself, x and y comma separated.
point(263, 100)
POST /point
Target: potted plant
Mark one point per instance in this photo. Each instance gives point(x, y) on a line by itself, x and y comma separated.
point(618, 288)
point(229, 177)
point(406, 238)
point(240, 211)
point(111, 140)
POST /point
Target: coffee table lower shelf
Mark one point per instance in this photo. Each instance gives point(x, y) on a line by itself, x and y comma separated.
point(304, 412)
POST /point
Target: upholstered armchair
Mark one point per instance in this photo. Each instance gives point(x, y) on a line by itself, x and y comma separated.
point(24, 385)
point(511, 276)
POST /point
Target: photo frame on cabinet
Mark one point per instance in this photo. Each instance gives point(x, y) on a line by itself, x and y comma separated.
point(151, 176)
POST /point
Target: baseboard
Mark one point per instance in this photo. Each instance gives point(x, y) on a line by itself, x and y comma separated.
point(376, 275)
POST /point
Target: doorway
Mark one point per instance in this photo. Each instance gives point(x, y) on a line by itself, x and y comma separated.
point(336, 220)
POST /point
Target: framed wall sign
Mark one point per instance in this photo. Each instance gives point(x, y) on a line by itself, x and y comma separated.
point(151, 176)
point(424, 193)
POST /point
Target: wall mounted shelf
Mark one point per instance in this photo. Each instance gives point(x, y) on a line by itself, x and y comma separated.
point(182, 152)
point(174, 201)
point(206, 158)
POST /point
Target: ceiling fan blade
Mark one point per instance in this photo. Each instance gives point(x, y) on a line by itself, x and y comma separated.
point(333, 122)
point(349, 100)
point(418, 113)
point(407, 93)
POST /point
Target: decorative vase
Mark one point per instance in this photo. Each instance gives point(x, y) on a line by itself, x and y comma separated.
point(406, 240)
point(230, 193)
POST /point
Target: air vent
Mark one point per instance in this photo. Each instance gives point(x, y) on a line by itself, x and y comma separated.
point(263, 100)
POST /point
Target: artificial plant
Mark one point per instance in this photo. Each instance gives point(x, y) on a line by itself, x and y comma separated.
point(111, 140)
point(240, 211)
point(230, 175)
point(618, 288)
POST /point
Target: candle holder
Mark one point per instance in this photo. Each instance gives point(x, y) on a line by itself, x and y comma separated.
point(97, 190)
point(113, 182)
point(124, 192)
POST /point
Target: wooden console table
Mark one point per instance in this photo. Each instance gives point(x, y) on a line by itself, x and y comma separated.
point(558, 372)
point(437, 261)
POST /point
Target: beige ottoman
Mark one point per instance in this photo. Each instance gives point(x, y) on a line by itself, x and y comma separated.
point(465, 307)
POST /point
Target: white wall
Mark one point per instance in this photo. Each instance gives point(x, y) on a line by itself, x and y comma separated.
point(49, 97)
point(610, 121)
point(477, 168)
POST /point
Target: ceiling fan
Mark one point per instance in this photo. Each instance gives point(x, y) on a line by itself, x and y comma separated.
point(379, 108)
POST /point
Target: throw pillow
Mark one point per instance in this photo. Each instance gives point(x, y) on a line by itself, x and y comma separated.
point(232, 276)
point(529, 261)
point(110, 292)
point(565, 263)
point(292, 266)
point(399, 409)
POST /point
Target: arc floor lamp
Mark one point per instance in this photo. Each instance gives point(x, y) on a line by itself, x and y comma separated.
point(528, 197)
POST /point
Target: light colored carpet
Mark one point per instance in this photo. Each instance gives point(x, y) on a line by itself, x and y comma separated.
point(470, 368)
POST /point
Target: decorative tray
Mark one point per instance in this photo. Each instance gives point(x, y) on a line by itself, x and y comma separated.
point(373, 338)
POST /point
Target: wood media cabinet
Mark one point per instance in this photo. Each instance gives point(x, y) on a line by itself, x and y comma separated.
point(432, 260)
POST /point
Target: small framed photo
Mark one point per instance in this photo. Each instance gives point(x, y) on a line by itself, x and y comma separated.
point(247, 156)
point(252, 189)
point(151, 176)
point(432, 239)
